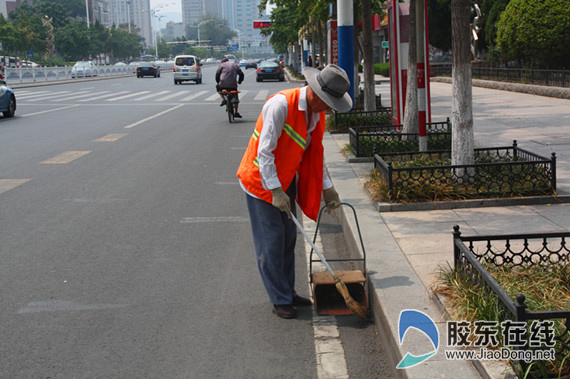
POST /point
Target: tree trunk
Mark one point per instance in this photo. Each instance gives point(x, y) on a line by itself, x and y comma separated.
point(369, 86)
point(322, 44)
point(313, 45)
point(411, 109)
point(462, 145)
point(356, 61)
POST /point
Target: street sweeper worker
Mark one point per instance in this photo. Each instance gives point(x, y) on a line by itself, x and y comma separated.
point(284, 162)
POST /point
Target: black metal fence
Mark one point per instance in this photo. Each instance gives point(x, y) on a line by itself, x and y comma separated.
point(498, 172)
point(555, 78)
point(345, 120)
point(514, 250)
point(369, 140)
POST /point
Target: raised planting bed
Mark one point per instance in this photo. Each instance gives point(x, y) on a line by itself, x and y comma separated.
point(355, 119)
point(497, 172)
point(369, 140)
point(522, 283)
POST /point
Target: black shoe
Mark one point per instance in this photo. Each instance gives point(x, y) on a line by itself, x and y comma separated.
point(224, 102)
point(300, 301)
point(237, 115)
point(285, 311)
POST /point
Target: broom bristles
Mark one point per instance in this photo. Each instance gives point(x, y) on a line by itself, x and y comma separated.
point(352, 304)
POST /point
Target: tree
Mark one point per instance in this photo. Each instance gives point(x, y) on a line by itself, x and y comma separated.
point(411, 110)
point(536, 32)
point(462, 139)
point(369, 84)
point(439, 19)
point(73, 41)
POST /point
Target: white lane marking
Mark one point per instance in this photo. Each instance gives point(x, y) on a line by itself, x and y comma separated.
point(192, 97)
point(76, 95)
point(49, 110)
point(261, 95)
point(328, 347)
point(107, 95)
point(154, 94)
point(154, 116)
point(173, 95)
point(127, 96)
point(40, 94)
point(213, 97)
point(64, 306)
point(196, 220)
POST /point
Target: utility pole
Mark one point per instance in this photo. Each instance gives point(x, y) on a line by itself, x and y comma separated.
point(87, 11)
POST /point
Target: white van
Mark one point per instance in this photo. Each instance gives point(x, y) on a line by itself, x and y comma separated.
point(187, 67)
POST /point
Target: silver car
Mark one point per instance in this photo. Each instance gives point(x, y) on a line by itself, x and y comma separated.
point(186, 68)
point(82, 69)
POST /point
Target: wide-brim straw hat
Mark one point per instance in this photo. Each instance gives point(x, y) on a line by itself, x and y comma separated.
point(331, 86)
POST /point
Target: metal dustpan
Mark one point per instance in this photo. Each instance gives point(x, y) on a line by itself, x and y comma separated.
point(327, 299)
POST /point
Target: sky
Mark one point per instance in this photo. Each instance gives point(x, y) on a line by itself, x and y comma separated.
point(170, 9)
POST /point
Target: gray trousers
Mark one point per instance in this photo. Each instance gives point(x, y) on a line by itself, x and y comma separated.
point(274, 237)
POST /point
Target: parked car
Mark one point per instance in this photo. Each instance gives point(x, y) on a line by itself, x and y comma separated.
point(186, 68)
point(270, 70)
point(251, 63)
point(27, 64)
point(7, 100)
point(242, 63)
point(82, 69)
point(232, 58)
point(148, 69)
point(134, 66)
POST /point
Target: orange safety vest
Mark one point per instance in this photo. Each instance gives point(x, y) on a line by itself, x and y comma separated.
point(292, 156)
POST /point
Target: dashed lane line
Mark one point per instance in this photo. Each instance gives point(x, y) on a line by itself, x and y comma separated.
point(154, 116)
point(50, 110)
point(111, 137)
point(66, 157)
point(8, 184)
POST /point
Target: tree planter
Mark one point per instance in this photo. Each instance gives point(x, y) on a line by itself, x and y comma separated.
point(343, 121)
point(498, 172)
point(367, 141)
point(523, 252)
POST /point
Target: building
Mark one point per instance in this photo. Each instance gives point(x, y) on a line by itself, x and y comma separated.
point(132, 12)
point(194, 10)
point(173, 30)
point(7, 6)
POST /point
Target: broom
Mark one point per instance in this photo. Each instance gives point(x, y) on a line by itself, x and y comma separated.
point(352, 304)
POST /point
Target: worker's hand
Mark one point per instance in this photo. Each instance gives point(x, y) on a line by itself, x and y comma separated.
point(281, 201)
point(332, 200)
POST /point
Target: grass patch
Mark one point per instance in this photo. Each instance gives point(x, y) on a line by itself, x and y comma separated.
point(545, 288)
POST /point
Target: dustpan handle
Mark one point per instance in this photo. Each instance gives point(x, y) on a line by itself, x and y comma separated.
point(313, 245)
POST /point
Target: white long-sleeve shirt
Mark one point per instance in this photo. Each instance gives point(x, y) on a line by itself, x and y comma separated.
point(274, 115)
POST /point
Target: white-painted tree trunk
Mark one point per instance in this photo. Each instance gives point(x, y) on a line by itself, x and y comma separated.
point(462, 147)
point(411, 109)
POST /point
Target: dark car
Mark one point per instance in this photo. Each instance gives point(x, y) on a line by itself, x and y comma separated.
point(270, 70)
point(7, 100)
point(148, 69)
point(250, 64)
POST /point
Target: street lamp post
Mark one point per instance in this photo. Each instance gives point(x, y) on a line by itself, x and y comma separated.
point(87, 11)
point(239, 41)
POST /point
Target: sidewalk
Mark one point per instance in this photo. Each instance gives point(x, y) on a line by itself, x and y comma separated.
point(404, 248)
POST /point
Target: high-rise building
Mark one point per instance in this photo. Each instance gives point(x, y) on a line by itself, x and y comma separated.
point(194, 10)
point(135, 12)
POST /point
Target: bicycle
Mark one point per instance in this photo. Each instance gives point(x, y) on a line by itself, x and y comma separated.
point(231, 99)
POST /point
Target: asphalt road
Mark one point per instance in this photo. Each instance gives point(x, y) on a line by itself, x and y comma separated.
point(125, 243)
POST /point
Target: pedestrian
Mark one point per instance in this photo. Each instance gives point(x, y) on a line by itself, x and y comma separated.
point(310, 61)
point(284, 162)
point(228, 76)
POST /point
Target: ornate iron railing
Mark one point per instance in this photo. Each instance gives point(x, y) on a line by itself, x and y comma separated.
point(498, 172)
point(556, 78)
point(381, 116)
point(369, 140)
point(525, 250)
